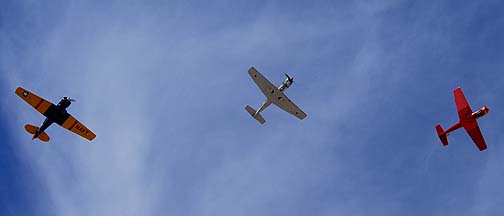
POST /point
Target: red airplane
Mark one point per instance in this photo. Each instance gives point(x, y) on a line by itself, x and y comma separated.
point(467, 121)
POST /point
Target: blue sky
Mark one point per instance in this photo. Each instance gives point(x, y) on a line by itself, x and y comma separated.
point(163, 84)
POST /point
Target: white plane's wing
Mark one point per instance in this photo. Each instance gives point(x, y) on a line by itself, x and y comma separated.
point(286, 104)
point(266, 86)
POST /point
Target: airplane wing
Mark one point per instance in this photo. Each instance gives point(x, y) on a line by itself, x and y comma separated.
point(286, 104)
point(472, 128)
point(463, 108)
point(40, 104)
point(78, 128)
point(263, 84)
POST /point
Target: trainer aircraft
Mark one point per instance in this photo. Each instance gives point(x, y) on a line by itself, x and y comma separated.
point(467, 120)
point(54, 114)
point(273, 95)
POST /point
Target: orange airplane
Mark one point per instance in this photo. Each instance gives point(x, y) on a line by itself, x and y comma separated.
point(467, 121)
point(54, 114)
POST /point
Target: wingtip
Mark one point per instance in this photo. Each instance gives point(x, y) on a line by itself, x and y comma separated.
point(252, 69)
point(92, 138)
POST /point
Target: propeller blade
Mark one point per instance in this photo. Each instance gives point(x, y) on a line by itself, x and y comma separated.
point(69, 99)
point(291, 79)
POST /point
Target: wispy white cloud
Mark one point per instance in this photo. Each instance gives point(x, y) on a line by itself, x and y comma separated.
point(160, 95)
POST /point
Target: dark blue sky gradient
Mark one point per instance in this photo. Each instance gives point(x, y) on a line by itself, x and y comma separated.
point(17, 179)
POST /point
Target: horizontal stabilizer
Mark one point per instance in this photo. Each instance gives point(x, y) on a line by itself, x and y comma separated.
point(30, 129)
point(257, 116)
point(442, 135)
point(43, 137)
point(33, 129)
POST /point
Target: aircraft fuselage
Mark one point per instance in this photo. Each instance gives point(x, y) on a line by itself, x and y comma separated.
point(475, 115)
point(55, 114)
point(275, 94)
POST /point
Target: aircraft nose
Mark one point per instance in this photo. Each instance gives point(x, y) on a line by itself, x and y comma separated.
point(485, 109)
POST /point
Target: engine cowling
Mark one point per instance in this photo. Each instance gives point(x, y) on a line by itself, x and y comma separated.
point(64, 103)
point(481, 112)
point(286, 84)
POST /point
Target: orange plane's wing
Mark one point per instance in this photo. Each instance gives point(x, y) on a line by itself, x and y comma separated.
point(40, 104)
point(78, 128)
point(463, 108)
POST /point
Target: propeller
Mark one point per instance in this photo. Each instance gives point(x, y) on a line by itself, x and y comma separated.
point(290, 78)
point(69, 99)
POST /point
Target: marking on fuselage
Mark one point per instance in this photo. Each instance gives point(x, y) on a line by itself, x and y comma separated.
point(25, 93)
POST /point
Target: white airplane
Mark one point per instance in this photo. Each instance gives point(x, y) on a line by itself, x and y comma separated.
point(273, 95)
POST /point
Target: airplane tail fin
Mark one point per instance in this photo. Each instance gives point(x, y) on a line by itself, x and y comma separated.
point(33, 129)
point(257, 116)
point(442, 135)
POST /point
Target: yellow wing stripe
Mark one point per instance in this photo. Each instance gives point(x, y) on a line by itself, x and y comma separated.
point(38, 104)
point(69, 123)
point(44, 106)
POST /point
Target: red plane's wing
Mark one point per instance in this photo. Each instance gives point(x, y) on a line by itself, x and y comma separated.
point(472, 128)
point(463, 108)
point(467, 121)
